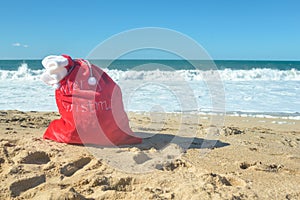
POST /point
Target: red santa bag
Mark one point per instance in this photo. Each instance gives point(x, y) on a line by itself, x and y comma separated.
point(91, 109)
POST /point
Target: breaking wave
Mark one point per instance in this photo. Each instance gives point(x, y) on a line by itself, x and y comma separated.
point(258, 74)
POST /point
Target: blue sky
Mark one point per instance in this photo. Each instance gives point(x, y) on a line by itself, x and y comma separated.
point(233, 29)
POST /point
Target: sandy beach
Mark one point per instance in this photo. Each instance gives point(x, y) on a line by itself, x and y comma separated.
point(247, 158)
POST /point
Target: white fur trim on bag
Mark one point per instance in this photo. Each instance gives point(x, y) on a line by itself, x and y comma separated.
point(55, 69)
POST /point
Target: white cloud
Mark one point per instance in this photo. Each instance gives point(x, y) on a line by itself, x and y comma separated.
point(17, 44)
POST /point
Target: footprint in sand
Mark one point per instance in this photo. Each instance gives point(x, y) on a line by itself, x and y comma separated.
point(258, 166)
point(71, 168)
point(245, 165)
point(227, 131)
point(173, 165)
point(141, 158)
point(17, 187)
point(38, 158)
point(218, 180)
point(123, 184)
point(58, 193)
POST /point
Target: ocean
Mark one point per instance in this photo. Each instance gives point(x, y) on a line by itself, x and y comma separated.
point(251, 88)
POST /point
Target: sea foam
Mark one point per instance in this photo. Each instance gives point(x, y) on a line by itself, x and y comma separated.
point(25, 73)
point(257, 90)
point(22, 74)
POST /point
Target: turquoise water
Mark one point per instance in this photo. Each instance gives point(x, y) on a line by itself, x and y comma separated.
point(174, 64)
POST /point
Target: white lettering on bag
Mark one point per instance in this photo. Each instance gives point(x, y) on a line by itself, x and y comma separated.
point(87, 106)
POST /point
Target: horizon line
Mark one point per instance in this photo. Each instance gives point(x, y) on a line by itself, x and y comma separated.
point(160, 59)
